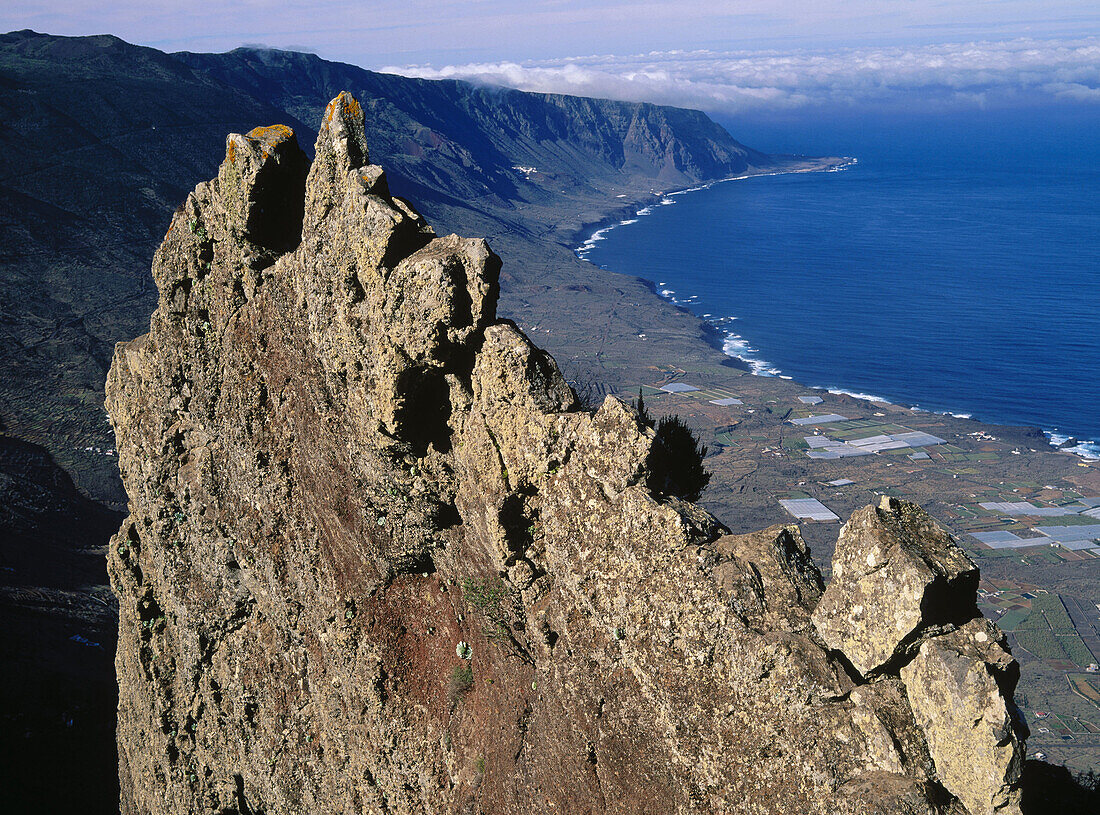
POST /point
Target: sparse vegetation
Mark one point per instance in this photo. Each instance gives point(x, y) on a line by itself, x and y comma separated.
point(154, 624)
point(462, 680)
point(589, 397)
point(491, 598)
point(486, 596)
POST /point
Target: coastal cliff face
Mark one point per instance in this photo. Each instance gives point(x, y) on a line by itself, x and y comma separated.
point(379, 560)
point(424, 127)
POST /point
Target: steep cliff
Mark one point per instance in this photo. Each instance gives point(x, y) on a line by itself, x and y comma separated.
point(473, 136)
point(378, 560)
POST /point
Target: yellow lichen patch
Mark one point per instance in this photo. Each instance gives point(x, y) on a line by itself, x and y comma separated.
point(271, 133)
point(231, 151)
point(351, 106)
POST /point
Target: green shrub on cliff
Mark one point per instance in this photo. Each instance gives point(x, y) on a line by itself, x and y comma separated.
point(676, 459)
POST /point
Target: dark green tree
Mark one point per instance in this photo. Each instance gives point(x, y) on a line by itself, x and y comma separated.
point(675, 461)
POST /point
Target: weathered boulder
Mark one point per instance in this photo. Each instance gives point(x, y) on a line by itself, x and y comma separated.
point(379, 560)
point(960, 687)
point(896, 574)
point(902, 603)
point(770, 577)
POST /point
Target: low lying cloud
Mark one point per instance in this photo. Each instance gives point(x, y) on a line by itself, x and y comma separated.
point(956, 75)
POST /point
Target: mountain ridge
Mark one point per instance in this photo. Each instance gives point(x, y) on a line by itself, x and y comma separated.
point(713, 155)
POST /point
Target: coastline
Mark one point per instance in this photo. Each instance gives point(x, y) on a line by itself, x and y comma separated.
point(738, 348)
point(583, 238)
point(627, 212)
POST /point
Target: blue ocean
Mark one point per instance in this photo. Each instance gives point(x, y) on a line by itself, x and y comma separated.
point(954, 267)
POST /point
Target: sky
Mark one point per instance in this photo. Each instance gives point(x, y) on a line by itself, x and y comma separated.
point(724, 56)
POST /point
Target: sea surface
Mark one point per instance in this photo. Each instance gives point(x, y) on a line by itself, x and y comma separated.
point(954, 267)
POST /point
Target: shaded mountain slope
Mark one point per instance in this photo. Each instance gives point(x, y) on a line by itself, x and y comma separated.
point(57, 689)
point(85, 191)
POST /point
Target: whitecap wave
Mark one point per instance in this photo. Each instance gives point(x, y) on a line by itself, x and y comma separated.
point(597, 236)
point(736, 346)
point(1085, 449)
point(857, 395)
point(691, 189)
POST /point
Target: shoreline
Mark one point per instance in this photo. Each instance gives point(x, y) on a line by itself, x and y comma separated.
point(737, 348)
point(575, 238)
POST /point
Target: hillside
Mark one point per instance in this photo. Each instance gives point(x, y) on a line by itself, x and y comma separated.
point(103, 140)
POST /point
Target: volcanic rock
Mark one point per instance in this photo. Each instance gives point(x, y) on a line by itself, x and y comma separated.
point(378, 559)
point(896, 573)
point(960, 688)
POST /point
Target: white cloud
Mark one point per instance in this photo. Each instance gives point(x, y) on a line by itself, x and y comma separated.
point(975, 74)
point(439, 31)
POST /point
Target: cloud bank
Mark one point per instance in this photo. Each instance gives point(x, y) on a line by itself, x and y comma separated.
point(950, 76)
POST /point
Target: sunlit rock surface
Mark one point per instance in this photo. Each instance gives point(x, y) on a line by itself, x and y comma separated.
point(379, 560)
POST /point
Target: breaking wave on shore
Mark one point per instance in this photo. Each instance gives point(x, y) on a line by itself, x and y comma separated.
point(1085, 449)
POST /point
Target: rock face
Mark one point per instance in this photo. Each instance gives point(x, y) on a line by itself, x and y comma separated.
point(895, 573)
point(378, 560)
point(957, 685)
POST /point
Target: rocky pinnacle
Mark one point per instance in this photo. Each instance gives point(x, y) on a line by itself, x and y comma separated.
point(378, 559)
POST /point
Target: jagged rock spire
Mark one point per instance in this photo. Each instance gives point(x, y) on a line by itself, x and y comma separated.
point(261, 185)
point(378, 560)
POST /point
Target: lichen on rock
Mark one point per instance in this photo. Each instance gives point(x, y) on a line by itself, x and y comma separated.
point(379, 560)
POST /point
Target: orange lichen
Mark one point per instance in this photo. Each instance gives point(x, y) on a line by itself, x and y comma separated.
point(271, 133)
point(231, 151)
point(351, 105)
